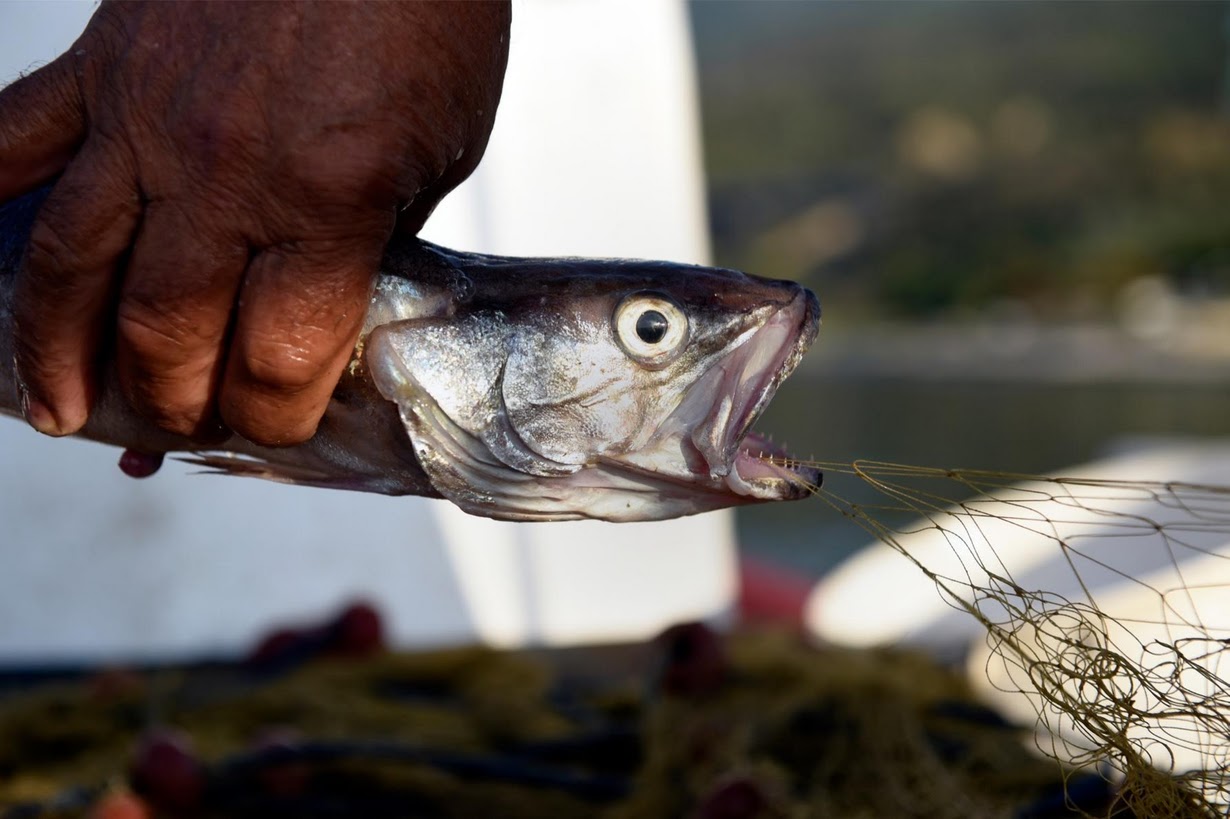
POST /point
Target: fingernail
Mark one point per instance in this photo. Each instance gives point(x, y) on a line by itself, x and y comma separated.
point(38, 415)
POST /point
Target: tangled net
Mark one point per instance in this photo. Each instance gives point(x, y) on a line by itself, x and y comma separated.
point(1119, 656)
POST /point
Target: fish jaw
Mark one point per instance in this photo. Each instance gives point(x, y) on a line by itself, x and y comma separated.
point(770, 357)
point(708, 443)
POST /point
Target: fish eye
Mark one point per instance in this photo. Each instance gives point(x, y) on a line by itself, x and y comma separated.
point(651, 328)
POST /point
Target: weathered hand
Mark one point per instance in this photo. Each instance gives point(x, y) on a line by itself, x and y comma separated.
point(229, 174)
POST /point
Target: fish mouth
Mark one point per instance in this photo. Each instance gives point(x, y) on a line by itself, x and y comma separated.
point(737, 459)
point(756, 466)
point(764, 471)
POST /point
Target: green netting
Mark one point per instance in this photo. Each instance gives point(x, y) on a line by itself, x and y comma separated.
point(1121, 655)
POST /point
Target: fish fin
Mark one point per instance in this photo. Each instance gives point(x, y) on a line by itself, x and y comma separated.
point(213, 463)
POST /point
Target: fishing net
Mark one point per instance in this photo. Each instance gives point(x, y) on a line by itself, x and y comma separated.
point(1104, 604)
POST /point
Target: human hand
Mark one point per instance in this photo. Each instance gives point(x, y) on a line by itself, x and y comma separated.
point(229, 174)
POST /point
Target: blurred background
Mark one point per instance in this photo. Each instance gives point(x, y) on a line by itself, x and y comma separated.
point(1015, 215)
point(1017, 218)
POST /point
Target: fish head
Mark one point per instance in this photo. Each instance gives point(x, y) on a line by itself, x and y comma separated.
point(565, 389)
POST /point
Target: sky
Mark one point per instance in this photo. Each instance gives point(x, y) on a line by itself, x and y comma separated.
point(32, 32)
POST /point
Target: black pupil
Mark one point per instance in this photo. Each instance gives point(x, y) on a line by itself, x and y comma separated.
point(651, 327)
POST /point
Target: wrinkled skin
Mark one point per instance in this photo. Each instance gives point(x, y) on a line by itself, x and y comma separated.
point(228, 177)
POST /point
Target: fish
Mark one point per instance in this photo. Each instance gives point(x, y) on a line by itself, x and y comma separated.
point(527, 389)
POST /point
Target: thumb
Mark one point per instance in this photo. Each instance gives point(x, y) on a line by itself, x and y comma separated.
point(42, 121)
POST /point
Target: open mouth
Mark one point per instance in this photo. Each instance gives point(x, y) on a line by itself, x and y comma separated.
point(760, 465)
point(747, 462)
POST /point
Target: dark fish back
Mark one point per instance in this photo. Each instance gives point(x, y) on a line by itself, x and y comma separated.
point(16, 218)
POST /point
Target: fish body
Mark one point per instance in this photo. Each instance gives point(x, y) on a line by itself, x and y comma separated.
point(524, 389)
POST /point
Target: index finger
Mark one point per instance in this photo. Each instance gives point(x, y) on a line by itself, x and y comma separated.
point(65, 288)
point(42, 123)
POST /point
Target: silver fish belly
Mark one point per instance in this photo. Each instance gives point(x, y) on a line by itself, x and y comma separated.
point(525, 389)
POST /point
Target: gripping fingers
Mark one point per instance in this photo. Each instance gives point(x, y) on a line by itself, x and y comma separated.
point(64, 291)
point(173, 316)
point(299, 318)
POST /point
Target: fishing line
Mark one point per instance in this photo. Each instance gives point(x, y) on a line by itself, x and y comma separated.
point(1122, 667)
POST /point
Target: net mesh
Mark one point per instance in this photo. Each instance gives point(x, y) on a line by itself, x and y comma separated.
point(1105, 605)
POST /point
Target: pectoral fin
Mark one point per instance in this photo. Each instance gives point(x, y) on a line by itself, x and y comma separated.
point(217, 463)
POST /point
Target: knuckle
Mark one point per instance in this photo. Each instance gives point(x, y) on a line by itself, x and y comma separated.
point(153, 332)
point(286, 366)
